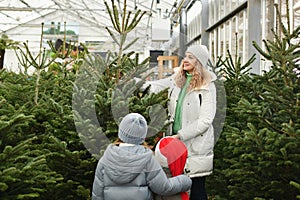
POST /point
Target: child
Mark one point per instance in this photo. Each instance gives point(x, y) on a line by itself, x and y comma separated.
point(129, 171)
point(171, 154)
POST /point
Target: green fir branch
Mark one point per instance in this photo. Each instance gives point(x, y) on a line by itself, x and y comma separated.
point(111, 15)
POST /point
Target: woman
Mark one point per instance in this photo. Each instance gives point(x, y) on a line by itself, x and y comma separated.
point(192, 108)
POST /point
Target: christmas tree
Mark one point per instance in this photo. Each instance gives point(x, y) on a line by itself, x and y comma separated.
point(111, 82)
point(258, 156)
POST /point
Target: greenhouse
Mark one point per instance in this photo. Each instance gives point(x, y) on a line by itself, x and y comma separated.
point(221, 77)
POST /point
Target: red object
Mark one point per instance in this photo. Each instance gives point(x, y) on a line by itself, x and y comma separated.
point(176, 153)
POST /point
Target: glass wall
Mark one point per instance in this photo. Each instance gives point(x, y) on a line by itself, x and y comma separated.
point(194, 21)
point(291, 16)
point(228, 26)
point(218, 9)
point(293, 12)
point(296, 13)
point(230, 34)
point(194, 28)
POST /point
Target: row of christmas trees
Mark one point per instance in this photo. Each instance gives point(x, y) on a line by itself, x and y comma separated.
point(55, 124)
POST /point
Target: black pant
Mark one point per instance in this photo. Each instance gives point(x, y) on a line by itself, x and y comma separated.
point(198, 191)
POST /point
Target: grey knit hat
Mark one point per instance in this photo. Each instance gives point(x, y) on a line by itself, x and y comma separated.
point(133, 129)
point(200, 52)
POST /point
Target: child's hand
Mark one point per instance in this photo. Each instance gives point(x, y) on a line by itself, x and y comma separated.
point(176, 136)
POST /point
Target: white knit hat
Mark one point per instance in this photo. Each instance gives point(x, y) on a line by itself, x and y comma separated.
point(133, 129)
point(200, 52)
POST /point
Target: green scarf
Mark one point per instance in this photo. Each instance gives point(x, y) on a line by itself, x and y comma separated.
point(178, 112)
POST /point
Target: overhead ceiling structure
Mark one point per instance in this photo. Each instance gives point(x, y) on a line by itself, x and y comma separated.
point(18, 16)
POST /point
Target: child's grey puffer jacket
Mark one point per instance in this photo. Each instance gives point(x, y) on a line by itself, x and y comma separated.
point(132, 173)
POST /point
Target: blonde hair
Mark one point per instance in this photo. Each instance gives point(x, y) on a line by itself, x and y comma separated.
point(200, 77)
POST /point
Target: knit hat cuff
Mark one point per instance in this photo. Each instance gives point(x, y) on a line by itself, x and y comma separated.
point(163, 161)
point(129, 138)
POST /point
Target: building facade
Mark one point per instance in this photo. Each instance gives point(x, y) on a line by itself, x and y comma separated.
point(233, 25)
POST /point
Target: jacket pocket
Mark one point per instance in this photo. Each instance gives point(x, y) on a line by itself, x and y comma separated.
point(200, 164)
